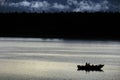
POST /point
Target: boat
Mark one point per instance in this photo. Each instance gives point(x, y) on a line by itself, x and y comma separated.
point(88, 67)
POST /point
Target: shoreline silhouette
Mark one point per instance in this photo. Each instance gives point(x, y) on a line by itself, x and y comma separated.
point(70, 25)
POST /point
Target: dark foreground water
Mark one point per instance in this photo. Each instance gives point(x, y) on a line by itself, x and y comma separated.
point(46, 59)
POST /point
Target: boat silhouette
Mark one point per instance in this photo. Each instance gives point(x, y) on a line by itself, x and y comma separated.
point(88, 67)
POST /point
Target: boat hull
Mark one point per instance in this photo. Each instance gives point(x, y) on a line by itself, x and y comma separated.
point(90, 68)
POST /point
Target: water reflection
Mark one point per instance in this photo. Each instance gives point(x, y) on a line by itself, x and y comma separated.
point(99, 70)
point(23, 59)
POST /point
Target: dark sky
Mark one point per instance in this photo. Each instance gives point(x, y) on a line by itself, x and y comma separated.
point(59, 5)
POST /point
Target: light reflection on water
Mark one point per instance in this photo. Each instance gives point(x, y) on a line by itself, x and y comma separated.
point(57, 60)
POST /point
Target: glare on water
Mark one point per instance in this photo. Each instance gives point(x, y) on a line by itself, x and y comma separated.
point(54, 59)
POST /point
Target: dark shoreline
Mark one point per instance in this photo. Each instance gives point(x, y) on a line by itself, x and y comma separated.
point(84, 26)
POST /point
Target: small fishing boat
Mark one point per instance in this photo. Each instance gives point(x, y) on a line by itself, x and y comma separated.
point(88, 67)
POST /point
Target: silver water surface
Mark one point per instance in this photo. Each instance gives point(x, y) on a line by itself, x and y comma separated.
point(54, 59)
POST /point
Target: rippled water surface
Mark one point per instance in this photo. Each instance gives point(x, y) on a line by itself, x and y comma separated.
point(54, 59)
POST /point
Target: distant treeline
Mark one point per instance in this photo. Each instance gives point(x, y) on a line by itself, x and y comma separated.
point(63, 13)
point(60, 17)
point(70, 25)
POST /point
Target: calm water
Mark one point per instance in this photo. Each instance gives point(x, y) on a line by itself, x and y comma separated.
point(46, 59)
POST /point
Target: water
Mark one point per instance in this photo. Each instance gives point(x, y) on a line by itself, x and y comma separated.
point(54, 59)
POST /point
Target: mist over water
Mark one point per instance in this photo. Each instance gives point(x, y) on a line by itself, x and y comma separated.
point(57, 59)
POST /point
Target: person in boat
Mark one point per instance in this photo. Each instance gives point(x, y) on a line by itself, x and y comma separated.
point(87, 64)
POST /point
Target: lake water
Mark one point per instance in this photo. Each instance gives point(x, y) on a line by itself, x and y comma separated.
point(55, 59)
